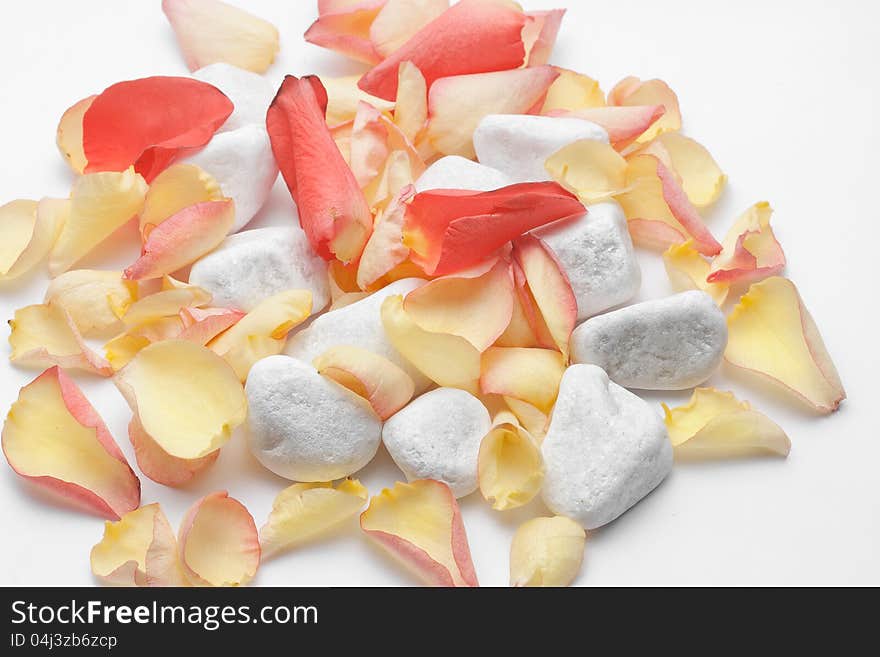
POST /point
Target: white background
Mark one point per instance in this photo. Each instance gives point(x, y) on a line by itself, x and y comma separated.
point(784, 94)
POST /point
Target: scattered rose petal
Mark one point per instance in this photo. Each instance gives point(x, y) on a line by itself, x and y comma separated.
point(303, 511)
point(658, 210)
point(179, 186)
point(451, 122)
point(148, 123)
point(510, 465)
point(53, 437)
point(201, 325)
point(623, 124)
point(385, 249)
point(484, 35)
point(546, 552)
point(475, 304)
point(532, 419)
point(750, 250)
point(343, 97)
point(345, 28)
point(375, 378)
point(519, 332)
point(332, 208)
point(69, 135)
point(45, 335)
point(419, 523)
point(139, 549)
point(262, 332)
point(545, 290)
point(182, 239)
point(589, 168)
point(399, 20)
point(99, 204)
point(186, 398)
point(411, 108)
point(449, 230)
point(210, 31)
point(159, 465)
point(125, 346)
point(539, 35)
point(95, 299)
point(368, 144)
point(30, 229)
point(572, 91)
point(530, 375)
point(717, 424)
point(772, 334)
point(448, 360)
point(632, 91)
point(701, 177)
point(173, 297)
point(218, 542)
point(688, 270)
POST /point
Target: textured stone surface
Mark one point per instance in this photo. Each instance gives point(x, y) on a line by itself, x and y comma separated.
point(456, 172)
point(605, 449)
point(662, 344)
point(250, 93)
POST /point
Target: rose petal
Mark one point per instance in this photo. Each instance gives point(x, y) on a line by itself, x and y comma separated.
point(332, 208)
point(173, 297)
point(411, 108)
point(771, 333)
point(688, 270)
point(96, 300)
point(419, 523)
point(55, 438)
point(218, 542)
point(45, 335)
point(510, 468)
point(399, 20)
point(210, 31)
point(139, 549)
point(343, 97)
point(701, 177)
point(632, 92)
point(547, 287)
point(532, 419)
point(122, 348)
point(715, 423)
point(539, 35)
point(262, 332)
point(519, 332)
point(201, 325)
point(385, 249)
point(623, 124)
point(451, 122)
point(29, 231)
point(368, 144)
point(475, 304)
point(375, 378)
point(589, 168)
point(182, 239)
point(750, 251)
point(571, 92)
point(658, 210)
point(159, 465)
point(449, 230)
point(546, 552)
point(303, 511)
point(148, 123)
point(179, 186)
point(448, 360)
point(99, 204)
point(530, 375)
point(483, 35)
point(69, 135)
point(346, 29)
point(186, 398)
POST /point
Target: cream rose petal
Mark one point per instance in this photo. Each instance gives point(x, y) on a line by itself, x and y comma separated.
point(510, 466)
point(95, 299)
point(546, 552)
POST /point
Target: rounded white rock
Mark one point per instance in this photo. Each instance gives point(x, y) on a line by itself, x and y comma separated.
point(255, 264)
point(519, 144)
point(438, 436)
point(358, 324)
point(305, 427)
point(605, 449)
point(456, 172)
point(241, 161)
point(663, 344)
point(597, 253)
point(250, 93)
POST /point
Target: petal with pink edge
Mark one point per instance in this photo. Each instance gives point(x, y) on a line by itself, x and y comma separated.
point(623, 124)
point(399, 20)
point(176, 188)
point(701, 177)
point(632, 91)
point(539, 35)
point(589, 168)
point(95, 299)
point(571, 92)
point(69, 135)
point(687, 270)
point(346, 29)
point(29, 229)
point(159, 465)
point(530, 375)
point(750, 251)
point(385, 249)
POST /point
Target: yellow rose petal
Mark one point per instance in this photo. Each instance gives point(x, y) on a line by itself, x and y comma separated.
point(510, 467)
point(546, 552)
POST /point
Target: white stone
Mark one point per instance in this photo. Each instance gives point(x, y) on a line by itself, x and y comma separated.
point(519, 144)
point(305, 427)
point(241, 161)
point(597, 253)
point(663, 344)
point(437, 436)
point(250, 93)
point(605, 449)
point(456, 172)
point(255, 264)
point(358, 324)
